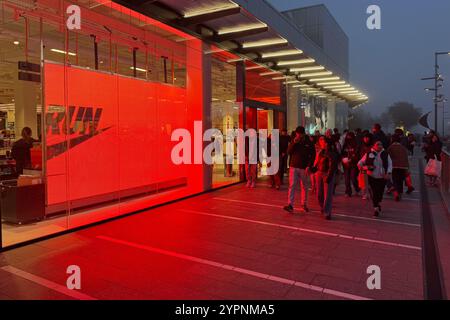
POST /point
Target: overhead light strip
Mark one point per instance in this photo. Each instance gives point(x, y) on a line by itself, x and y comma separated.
point(212, 9)
point(263, 43)
point(316, 68)
point(241, 28)
point(294, 62)
point(281, 53)
point(316, 74)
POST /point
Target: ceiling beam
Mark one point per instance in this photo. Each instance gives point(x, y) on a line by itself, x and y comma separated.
point(208, 16)
point(256, 49)
point(240, 34)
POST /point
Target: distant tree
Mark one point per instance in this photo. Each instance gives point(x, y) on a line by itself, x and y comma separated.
point(404, 114)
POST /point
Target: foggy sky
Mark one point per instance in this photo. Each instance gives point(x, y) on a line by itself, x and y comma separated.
point(387, 64)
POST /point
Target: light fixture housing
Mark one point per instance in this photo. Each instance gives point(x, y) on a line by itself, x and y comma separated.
point(263, 43)
point(281, 53)
point(317, 80)
point(241, 28)
point(294, 62)
point(316, 74)
point(212, 9)
point(315, 68)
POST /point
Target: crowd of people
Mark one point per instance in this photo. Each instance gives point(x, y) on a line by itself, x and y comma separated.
point(369, 163)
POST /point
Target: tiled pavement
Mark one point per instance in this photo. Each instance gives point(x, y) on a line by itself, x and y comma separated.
point(234, 243)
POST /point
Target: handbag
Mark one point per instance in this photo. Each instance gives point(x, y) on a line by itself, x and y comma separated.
point(433, 168)
point(362, 180)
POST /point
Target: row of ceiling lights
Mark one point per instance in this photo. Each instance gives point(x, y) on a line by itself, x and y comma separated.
point(315, 75)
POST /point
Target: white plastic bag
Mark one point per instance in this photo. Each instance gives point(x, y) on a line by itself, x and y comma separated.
point(433, 168)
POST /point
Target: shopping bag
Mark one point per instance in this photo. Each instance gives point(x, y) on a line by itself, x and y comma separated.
point(433, 168)
point(362, 180)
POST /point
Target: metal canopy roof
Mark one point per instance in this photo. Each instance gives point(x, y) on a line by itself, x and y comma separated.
point(269, 39)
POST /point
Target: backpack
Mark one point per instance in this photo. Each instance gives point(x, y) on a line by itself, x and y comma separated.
point(384, 158)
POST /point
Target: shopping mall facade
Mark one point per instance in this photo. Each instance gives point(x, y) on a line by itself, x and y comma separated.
point(103, 100)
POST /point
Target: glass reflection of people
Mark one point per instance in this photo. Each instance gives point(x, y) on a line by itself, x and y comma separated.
point(21, 150)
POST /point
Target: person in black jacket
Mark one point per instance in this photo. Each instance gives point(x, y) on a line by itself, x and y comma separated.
point(379, 135)
point(326, 164)
point(302, 154)
point(21, 151)
point(285, 139)
point(350, 159)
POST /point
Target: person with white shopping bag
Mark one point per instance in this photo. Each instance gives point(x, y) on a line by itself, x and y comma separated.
point(378, 165)
point(433, 152)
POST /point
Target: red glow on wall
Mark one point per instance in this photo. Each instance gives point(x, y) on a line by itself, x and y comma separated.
point(108, 136)
point(262, 88)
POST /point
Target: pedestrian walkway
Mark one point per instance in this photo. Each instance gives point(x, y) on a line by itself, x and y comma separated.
point(235, 243)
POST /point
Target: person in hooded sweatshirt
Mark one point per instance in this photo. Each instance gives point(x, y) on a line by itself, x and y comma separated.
point(378, 165)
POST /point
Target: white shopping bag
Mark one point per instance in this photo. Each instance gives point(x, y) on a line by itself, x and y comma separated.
point(433, 168)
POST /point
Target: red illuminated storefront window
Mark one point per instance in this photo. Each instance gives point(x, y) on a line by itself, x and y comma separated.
point(260, 87)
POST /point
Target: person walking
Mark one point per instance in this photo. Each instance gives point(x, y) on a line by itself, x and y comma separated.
point(433, 150)
point(350, 158)
point(326, 164)
point(251, 158)
point(400, 165)
point(302, 154)
point(366, 147)
point(378, 165)
point(285, 139)
point(411, 143)
point(21, 151)
point(379, 135)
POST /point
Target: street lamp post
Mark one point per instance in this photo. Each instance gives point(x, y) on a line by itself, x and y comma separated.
point(443, 117)
point(437, 78)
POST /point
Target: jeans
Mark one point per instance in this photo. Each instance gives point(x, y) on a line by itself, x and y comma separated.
point(251, 172)
point(398, 177)
point(377, 187)
point(298, 177)
point(325, 192)
point(283, 167)
point(351, 177)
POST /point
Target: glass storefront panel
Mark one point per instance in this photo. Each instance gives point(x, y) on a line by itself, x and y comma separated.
point(113, 92)
point(23, 171)
point(262, 85)
point(225, 116)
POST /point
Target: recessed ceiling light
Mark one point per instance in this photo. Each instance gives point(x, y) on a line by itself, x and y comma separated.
point(281, 53)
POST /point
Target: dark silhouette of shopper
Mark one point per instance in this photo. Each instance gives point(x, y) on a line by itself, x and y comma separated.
point(21, 151)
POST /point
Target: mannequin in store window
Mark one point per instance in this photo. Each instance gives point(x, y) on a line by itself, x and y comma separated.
point(21, 150)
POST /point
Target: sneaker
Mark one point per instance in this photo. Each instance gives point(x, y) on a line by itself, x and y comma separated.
point(410, 190)
point(328, 217)
point(305, 209)
point(277, 187)
point(376, 211)
point(252, 185)
point(248, 184)
point(364, 197)
point(390, 190)
point(289, 209)
point(397, 197)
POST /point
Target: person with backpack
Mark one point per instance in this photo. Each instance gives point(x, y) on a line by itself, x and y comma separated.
point(378, 165)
